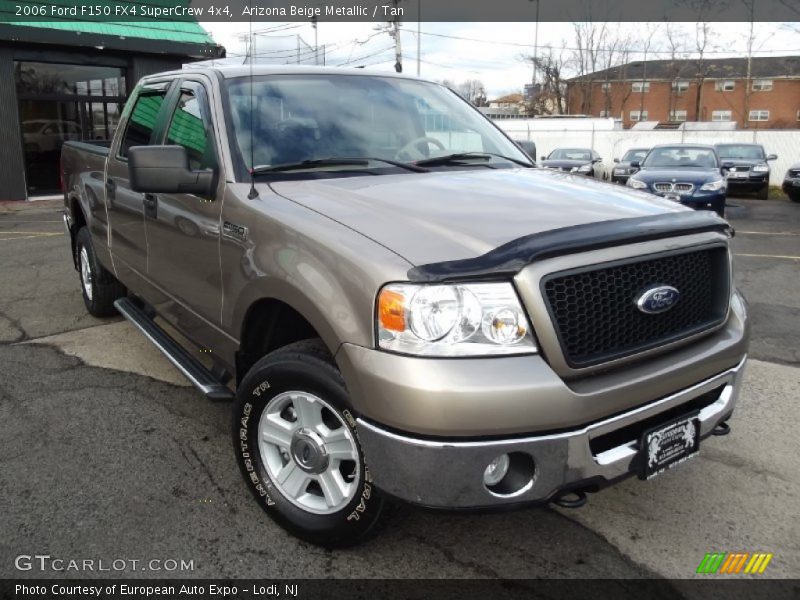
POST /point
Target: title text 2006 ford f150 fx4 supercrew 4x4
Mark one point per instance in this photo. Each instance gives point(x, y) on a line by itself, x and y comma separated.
point(408, 307)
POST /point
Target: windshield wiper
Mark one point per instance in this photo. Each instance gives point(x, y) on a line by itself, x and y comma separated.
point(460, 157)
point(334, 162)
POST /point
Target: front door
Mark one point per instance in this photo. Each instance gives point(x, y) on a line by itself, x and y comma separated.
point(126, 207)
point(183, 230)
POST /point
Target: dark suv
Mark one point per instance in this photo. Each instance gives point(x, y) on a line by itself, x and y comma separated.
point(749, 170)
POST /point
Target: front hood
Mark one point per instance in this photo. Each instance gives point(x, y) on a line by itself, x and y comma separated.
point(695, 176)
point(561, 163)
point(452, 215)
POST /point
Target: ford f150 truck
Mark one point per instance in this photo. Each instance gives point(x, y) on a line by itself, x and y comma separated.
point(398, 302)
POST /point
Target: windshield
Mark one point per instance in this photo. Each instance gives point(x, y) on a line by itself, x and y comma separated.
point(310, 117)
point(571, 154)
point(681, 156)
point(635, 155)
point(745, 151)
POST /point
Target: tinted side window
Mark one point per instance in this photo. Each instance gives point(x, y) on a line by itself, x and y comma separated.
point(141, 122)
point(188, 130)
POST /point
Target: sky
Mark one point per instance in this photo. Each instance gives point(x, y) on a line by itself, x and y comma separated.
point(490, 52)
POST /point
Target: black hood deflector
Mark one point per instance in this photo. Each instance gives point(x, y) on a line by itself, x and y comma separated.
point(512, 257)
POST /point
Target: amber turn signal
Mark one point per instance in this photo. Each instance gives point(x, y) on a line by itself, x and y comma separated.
point(392, 310)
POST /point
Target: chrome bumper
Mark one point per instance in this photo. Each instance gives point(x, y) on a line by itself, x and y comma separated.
point(449, 474)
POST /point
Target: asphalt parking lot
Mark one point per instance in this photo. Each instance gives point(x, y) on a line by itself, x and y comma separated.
point(107, 453)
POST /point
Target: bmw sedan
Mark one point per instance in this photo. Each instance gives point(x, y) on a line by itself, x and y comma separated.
point(686, 173)
point(622, 167)
point(572, 160)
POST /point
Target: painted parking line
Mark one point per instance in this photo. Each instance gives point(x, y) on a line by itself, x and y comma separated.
point(767, 232)
point(769, 256)
point(26, 235)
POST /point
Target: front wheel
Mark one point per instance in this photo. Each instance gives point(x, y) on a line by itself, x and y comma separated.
point(298, 449)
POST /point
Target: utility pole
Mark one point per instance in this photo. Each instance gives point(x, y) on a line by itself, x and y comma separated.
point(398, 51)
point(316, 40)
point(535, 54)
point(748, 82)
point(419, 34)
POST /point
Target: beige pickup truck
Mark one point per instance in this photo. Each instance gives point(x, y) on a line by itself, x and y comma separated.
point(398, 303)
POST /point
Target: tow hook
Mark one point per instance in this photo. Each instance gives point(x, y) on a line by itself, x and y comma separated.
point(721, 429)
point(574, 499)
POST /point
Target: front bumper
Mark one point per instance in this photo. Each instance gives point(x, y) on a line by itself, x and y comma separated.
point(449, 474)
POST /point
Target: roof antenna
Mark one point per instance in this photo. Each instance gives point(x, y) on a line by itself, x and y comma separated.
point(253, 194)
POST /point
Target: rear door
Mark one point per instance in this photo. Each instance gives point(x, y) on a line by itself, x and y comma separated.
point(125, 207)
point(183, 230)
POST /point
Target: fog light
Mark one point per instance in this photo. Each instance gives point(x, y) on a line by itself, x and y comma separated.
point(496, 470)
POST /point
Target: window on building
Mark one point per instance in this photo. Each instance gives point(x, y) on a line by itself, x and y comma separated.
point(677, 115)
point(638, 115)
point(680, 85)
point(762, 85)
point(798, 115)
point(141, 121)
point(603, 113)
point(188, 130)
point(758, 115)
point(721, 115)
point(640, 86)
point(605, 86)
point(724, 85)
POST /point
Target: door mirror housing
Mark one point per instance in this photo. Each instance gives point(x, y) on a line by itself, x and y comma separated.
point(616, 160)
point(727, 165)
point(772, 157)
point(165, 170)
point(635, 164)
point(542, 157)
point(597, 160)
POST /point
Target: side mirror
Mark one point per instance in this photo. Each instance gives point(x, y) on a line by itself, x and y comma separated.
point(543, 157)
point(772, 157)
point(616, 160)
point(165, 170)
point(635, 164)
point(597, 160)
point(727, 165)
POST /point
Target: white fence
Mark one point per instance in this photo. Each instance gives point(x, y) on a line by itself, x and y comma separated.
point(613, 144)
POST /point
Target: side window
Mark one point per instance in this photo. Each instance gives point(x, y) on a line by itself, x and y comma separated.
point(187, 129)
point(141, 122)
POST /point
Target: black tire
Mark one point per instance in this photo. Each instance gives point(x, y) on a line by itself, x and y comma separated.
point(104, 287)
point(305, 367)
point(763, 193)
point(794, 197)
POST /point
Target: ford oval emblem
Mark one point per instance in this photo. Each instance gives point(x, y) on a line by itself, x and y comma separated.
point(658, 299)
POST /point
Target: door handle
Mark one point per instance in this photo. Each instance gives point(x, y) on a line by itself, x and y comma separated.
point(150, 202)
point(111, 188)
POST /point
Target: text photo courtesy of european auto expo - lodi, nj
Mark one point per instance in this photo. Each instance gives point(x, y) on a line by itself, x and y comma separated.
point(403, 298)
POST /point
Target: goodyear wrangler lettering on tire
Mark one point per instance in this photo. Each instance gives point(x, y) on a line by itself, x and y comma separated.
point(262, 387)
point(365, 495)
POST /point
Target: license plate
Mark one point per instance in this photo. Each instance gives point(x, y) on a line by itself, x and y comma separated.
point(673, 197)
point(796, 183)
point(736, 175)
point(666, 446)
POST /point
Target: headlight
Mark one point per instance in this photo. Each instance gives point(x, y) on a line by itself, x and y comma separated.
point(636, 184)
point(584, 168)
point(453, 320)
point(713, 186)
point(761, 168)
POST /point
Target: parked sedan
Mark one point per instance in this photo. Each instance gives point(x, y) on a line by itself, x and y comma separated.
point(623, 169)
point(572, 160)
point(749, 171)
point(687, 173)
point(791, 183)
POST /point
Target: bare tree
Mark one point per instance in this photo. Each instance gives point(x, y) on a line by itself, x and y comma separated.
point(676, 46)
point(472, 90)
point(549, 96)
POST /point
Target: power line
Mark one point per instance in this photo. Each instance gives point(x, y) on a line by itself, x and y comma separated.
point(360, 58)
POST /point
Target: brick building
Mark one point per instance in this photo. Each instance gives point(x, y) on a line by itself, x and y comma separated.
point(693, 90)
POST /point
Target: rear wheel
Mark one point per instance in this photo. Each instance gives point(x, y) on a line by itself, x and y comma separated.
point(98, 285)
point(297, 447)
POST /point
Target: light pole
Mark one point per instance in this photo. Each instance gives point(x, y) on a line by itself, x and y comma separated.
point(535, 52)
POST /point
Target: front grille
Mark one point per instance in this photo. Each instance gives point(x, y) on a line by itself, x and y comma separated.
point(743, 169)
point(665, 186)
point(594, 309)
